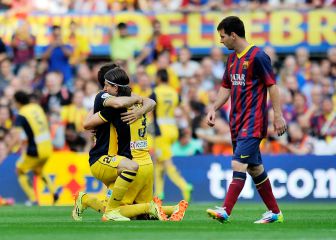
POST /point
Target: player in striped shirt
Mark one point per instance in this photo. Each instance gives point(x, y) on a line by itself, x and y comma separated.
point(247, 78)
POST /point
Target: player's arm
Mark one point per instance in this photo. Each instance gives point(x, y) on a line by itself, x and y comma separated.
point(122, 102)
point(222, 97)
point(136, 113)
point(93, 120)
point(279, 121)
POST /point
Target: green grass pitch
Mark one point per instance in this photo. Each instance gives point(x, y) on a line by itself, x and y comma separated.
point(302, 221)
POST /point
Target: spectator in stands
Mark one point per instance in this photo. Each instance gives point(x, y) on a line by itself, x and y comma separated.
point(218, 66)
point(3, 50)
point(5, 118)
point(55, 95)
point(23, 44)
point(90, 6)
point(315, 79)
point(186, 145)
point(216, 140)
point(157, 44)
point(57, 54)
point(332, 55)
point(26, 77)
point(143, 86)
point(6, 74)
point(185, 67)
point(324, 125)
point(123, 46)
point(298, 143)
point(73, 116)
point(209, 79)
point(270, 51)
point(122, 5)
point(303, 63)
point(79, 44)
point(163, 63)
point(289, 69)
point(91, 88)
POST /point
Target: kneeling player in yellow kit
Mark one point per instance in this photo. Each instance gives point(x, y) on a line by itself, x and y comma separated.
point(141, 190)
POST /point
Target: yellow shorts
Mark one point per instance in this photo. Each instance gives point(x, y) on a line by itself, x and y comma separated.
point(105, 169)
point(29, 163)
point(141, 189)
point(164, 142)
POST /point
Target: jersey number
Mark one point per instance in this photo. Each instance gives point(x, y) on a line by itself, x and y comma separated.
point(39, 122)
point(142, 131)
point(168, 105)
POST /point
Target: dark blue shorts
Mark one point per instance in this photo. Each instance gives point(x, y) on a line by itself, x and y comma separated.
point(247, 150)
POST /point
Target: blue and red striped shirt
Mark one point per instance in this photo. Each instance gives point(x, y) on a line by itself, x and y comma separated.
point(248, 75)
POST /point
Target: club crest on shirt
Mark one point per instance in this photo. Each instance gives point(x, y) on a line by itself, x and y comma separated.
point(105, 95)
point(245, 64)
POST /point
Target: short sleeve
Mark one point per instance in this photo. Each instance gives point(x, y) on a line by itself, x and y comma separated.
point(263, 68)
point(99, 101)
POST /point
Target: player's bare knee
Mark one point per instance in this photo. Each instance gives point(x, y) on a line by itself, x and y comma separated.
point(255, 171)
point(133, 166)
point(238, 166)
point(127, 164)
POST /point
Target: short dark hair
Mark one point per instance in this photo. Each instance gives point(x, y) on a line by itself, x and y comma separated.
point(22, 97)
point(55, 27)
point(232, 24)
point(103, 70)
point(122, 25)
point(162, 75)
point(117, 76)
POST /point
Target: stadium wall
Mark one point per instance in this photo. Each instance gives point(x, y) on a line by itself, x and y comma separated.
point(309, 178)
point(285, 30)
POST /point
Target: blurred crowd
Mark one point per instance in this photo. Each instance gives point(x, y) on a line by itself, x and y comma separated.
point(63, 82)
point(23, 7)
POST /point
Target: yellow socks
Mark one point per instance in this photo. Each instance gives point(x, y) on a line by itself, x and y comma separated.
point(134, 210)
point(92, 202)
point(48, 183)
point(176, 177)
point(120, 188)
point(26, 187)
point(159, 181)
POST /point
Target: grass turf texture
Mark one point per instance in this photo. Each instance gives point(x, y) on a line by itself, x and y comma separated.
point(302, 221)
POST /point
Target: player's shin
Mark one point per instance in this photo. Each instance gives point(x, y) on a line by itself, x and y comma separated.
point(264, 188)
point(121, 186)
point(24, 182)
point(235, 188)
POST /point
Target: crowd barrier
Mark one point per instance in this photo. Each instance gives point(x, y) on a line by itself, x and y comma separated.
point(309, 178)
point(285, 29)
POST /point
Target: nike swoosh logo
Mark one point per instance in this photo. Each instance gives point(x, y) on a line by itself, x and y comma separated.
point(244, 156)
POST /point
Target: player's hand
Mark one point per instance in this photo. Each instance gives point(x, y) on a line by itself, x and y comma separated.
point(280, 125)
point(131, 115)
point(211, 117)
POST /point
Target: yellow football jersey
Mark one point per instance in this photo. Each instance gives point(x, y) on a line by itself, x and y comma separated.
point(167, 100)
point(139, 144)
point(33, 121)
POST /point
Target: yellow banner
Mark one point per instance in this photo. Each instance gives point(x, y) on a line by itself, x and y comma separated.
point(283, 29)
point(69, 172)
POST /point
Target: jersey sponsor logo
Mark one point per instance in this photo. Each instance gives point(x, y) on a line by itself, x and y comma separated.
point(138, 145)
point(245, 64)
point(237, 79)
point(105, 95)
